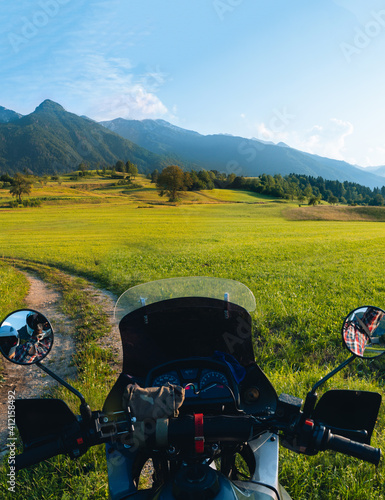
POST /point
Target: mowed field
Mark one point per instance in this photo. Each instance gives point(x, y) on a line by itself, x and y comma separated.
point(306, 271)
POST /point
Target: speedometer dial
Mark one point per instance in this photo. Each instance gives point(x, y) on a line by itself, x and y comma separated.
point(211, 378)
point(170, 377)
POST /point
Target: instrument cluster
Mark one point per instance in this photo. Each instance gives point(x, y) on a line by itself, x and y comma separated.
point(203, 380)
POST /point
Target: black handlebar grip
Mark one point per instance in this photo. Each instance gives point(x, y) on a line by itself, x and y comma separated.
point(229, 428)
point(38, 454)
point(354, 449)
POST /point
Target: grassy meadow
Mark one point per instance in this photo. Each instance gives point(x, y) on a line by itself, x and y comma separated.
point(307, 272)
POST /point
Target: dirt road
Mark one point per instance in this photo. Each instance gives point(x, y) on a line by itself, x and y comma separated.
point(31, 381)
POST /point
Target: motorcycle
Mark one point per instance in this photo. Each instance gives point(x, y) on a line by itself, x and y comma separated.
point(192, 398)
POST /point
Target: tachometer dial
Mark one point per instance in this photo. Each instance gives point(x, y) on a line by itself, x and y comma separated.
point(171, 377)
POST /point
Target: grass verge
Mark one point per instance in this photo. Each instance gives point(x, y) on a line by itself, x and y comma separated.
point(13, 289)
point(61, 477)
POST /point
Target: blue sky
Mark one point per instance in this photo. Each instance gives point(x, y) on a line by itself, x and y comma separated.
point(308, 73)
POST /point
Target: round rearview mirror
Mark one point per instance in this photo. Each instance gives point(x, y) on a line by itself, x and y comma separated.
point(363, 332)
point(25, 337)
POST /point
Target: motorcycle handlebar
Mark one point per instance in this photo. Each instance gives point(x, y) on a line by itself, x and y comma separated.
point(353, 448)
point(182, 430)
point(242, 428)
point(72, 441)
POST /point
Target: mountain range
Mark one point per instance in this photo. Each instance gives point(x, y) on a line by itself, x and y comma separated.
point(52, 140)
point(380, 170)
point(247, 157)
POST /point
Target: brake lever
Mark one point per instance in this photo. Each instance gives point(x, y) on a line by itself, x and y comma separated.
point(358, 433)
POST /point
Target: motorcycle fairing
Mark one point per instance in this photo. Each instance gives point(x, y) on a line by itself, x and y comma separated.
point(196, 326)
point(228, 491)
point(120, 467)
point(264, 482)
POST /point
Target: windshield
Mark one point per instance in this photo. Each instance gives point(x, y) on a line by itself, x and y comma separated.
point(181, 318)
point(172, 288)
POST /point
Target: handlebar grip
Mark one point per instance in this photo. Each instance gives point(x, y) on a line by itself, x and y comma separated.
point(38, 454)
point(354, 449)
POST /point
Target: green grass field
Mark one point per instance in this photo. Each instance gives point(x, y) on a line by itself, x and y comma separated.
point(306, 276)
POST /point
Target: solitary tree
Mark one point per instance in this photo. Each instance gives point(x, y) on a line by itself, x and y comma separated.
point(314, 200)
point(170, 181)
point(131, 169)
point(20, 185)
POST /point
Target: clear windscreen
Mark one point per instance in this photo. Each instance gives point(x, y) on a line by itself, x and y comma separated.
point(173, 288)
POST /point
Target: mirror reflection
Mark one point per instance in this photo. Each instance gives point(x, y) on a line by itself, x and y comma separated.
point(363, 332)
point(25, 337)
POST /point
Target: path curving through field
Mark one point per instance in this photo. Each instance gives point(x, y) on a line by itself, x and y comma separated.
point(31, 381)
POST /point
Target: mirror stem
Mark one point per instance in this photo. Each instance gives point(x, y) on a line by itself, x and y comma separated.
point(311, 398)
point(332, 373)
point(63, 382)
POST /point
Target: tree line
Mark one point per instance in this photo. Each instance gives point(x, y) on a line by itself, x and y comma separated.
point(303, 188)
point(172, 180)
point(312, 189)
point(128, 169)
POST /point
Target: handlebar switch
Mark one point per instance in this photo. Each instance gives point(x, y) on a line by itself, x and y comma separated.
point(306, 437)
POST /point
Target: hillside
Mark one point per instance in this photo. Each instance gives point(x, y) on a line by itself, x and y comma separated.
point(98, 188)
point(247, 157)
point(52, 140)
point(379, 170)
point(7, 115)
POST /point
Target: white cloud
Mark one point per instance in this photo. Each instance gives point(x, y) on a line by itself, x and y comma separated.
point(112, 88)
point(375, 157)
point(324, 140)
point(328, 140)
point(82, 59)
point(134, 103)
point(265, 133)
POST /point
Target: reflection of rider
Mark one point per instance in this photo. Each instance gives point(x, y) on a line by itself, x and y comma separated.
point(8, 340)
point(371, 319)
point(37, 333)
point(359, 331)
point(33, 349)
point(355, 339)
point(33, 320)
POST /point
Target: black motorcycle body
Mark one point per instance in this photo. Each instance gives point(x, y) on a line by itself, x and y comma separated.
point(196, 334)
